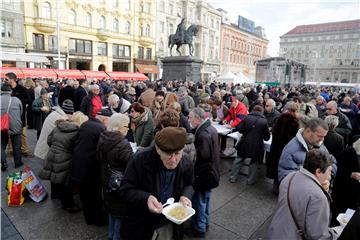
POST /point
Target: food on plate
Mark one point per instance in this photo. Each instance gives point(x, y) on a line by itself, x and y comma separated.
point(178, 213)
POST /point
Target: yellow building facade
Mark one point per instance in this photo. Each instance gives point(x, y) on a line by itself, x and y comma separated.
point(111, 35)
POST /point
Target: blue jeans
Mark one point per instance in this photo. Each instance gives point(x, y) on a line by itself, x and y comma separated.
point(114, 228)
point(201, 204)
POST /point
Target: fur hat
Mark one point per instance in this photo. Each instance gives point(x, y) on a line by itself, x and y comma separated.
point(171, 139)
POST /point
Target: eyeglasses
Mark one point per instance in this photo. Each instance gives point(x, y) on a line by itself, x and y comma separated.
point(170, 155)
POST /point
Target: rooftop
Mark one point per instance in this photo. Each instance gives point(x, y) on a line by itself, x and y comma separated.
point(325, 27)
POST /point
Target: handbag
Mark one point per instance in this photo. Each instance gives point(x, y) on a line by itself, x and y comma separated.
point(300, 232)
point(115, 179)
point(5, 119)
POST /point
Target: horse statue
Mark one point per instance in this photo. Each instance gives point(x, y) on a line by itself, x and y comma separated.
point(188, 39)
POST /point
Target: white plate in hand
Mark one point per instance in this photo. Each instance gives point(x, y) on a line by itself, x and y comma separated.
point(167, 209)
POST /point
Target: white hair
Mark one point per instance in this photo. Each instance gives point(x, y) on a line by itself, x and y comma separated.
point(93, 86)
point(113, 98)
point(332, 121)
point(116, 121)
point(272, 102)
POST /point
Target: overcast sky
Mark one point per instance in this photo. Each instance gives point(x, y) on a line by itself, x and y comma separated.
point(280, 16)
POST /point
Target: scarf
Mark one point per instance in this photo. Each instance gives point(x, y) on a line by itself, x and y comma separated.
point(135, 122)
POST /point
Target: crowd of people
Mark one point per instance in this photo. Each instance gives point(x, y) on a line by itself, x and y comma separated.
point(126, 147)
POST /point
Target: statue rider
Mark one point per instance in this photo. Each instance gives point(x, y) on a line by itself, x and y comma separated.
point(180, 31)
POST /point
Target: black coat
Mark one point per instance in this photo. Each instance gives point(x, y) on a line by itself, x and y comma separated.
point(184, 123)
point(283, 130)
point(114, 151)
point(352, 229)
point(66, 93)
point(254, 130)
point(334, 142)
point(207, 151)
point(21, 93)
point(142, 179)
point(346, 190)
point(85, 167)
point(29, 113)
point(79, 95)
point(271, 117)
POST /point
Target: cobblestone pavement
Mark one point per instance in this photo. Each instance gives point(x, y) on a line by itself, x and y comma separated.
point(239, 211)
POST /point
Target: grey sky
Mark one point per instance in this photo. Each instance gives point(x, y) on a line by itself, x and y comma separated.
point(280, 16)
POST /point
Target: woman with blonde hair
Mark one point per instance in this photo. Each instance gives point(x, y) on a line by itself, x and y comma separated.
point(59, 159)
point(114, 152)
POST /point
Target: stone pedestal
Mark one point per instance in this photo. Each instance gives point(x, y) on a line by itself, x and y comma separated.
point(182, 68)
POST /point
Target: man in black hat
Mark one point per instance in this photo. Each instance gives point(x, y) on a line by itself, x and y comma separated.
point(155, 174)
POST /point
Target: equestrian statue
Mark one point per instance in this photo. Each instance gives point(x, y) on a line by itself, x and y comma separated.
point(183, 36)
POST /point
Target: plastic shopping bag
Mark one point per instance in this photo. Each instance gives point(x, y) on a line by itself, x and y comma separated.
point(33, 185)
point(15, 187)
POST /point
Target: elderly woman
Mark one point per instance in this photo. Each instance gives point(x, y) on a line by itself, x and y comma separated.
point(141, 124)
point(346, 189)
point(41, 108)
point(93, 102)
point(183, 122)
point(333, 141)
point(114, 152)
point(59, 159)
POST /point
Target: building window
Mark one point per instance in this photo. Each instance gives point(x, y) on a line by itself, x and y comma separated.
point(102, 23)
point(141, 52)
point(147, 7)
point(120, 50)
point(46, 10)
point(52, 42)
point(88, 20)
point(116, 25)
point(171, 28)
point(6, 28)
point(102, 49)
point(147, 31)
point(162, 6)
point(80, 46)
point(162, 27)
point(116, 3)
point(38, 41)
point(72, 17)
point(212, 23)
point(128, 5)
point(148, 53)
point(171, 9)
point(127, 27)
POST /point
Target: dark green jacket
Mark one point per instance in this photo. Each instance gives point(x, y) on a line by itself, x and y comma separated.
point(39, 116)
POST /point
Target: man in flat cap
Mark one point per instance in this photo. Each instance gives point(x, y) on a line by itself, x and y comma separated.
point(155, 174)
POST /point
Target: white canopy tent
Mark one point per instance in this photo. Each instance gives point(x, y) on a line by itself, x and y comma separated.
point(230, 77)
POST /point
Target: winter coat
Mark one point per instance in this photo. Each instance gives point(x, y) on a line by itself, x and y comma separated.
point(334, 142)
point(142, 179)
point(86, 104)
point(114, 152)
point(346, 190)
point(86, 167)
point(237, 114)
point(344, 128)
point(254, 130)
point(310, 205)
point(271, 117)
point(184, 122)
point(190, 147)
point(59, 158)
point(293, 156)
point(29, 113)
point(147, 97)
point(67, 92)
point(225, 112)
point(207, 153)
point(283, 130)
point(38, 115)
point(352, 113)
point(143, 132)
point(79, 94)
point(15, 112)
point(42, 148)
point(21, 93)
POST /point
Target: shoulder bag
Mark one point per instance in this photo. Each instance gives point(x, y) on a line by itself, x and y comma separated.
point(5, 119)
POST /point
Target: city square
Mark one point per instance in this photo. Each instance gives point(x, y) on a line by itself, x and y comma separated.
point(241, 116)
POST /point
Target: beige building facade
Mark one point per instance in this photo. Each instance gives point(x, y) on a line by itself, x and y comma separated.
point(111, 35)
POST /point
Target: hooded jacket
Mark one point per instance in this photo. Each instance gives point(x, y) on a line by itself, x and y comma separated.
point(114, 152)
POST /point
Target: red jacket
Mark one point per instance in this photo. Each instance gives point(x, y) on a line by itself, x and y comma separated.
point(237, 114)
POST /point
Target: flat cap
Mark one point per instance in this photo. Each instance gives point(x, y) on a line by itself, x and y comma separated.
point(171, 139)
